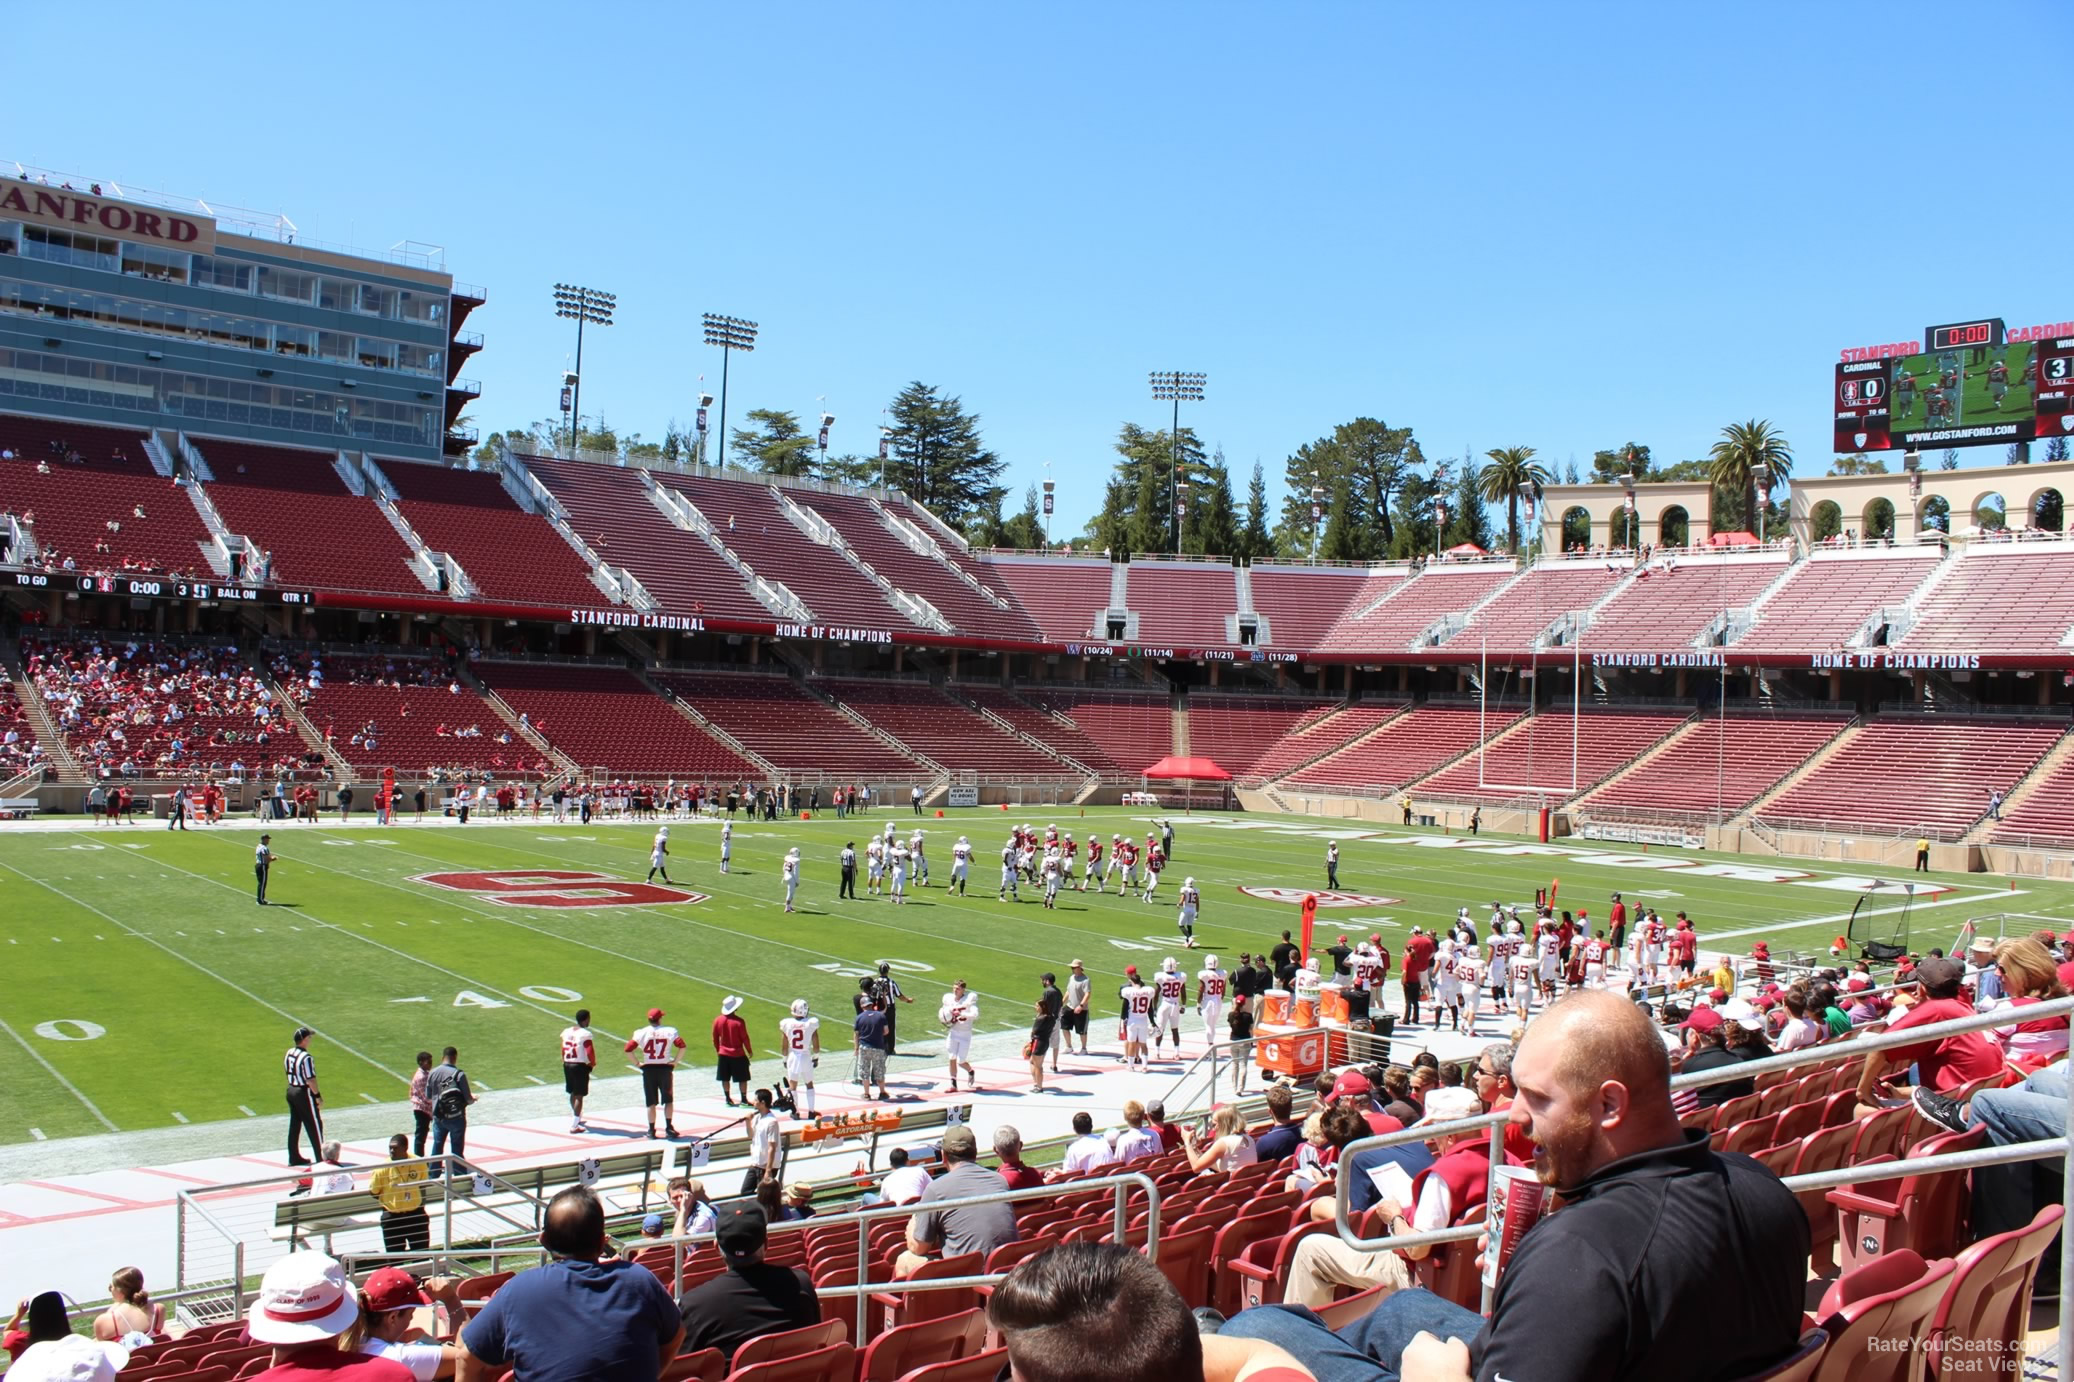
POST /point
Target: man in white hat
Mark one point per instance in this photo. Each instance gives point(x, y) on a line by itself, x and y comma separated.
point(731, 1050)
point(305, 1302)
point(74, 1358)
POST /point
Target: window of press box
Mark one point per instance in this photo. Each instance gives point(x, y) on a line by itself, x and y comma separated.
point(337, 295)
point(64, 247)
point(10, 238)
point(286, 285)
point(416, 306)
point(230, 274)
point(151, 261)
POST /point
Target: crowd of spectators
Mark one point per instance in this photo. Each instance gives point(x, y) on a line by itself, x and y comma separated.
point(140, 707)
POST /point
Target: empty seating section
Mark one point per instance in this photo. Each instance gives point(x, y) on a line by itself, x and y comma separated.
point(969, 611)
point(1516, 619)
point(409, 714)
point(1667, 609)
point(1405, 749)
point(779, 721)
point(1316, 738)
point(2046, 810)
point(19, 751)
point(1234, 731)
point(1829, 597)
point(1064, 595)
point(1063, 737)
point(1915, 773)
point(2019, 601)
point(1301, 606)
point(1183, 602)
point(1717, 765)
point(84, 486)
point(131, 707)
point(294, 505)
point(1135, 731)
point(610, 511)
point(837, 592)
point(607, 721)
point(508, 553)
point(1539, 755)
point(1412, 605)
point(939, 728)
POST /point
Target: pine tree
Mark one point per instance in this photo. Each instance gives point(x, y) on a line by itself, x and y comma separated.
point(1255, 541)
point(772, 443)
point(1026, 529)
point(1212, 518)
point(936, 455)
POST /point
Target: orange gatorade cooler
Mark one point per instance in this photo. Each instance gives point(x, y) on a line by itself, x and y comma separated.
point(1332, 1005)
point(1286, 1050)
point(1303, 1011)
point(1274, 1007)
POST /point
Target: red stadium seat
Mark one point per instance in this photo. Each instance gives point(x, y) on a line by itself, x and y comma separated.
point(905, 1347)
point(706, 1365)
point(980, 1367)
point(1988, 1300)
point(830, 1364)
point(912, 1307)
point(792, 1343)
point(1925, 1212)
point(1874, 1314)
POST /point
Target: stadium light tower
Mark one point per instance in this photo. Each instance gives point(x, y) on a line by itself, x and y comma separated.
point(1317, 513)
point(1762, 474)
point(1179, 386)
point(582, 305)
point(730, 334)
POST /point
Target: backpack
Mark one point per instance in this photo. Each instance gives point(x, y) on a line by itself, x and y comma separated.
point(448, 1103)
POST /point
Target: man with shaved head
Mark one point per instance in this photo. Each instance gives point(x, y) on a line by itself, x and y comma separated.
point(1659, 1240)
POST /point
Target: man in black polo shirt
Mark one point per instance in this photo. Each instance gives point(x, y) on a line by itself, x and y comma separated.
point(1281, 954)
point(752, 1297)
point(1340, 952)
point(1661, 1240)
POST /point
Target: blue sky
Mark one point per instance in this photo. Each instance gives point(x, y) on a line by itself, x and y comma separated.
point(1560, 226)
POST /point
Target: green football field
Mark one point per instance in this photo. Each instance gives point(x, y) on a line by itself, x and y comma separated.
point(145, 988)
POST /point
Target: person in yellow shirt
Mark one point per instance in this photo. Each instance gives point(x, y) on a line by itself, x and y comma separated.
point(398, 1186)
point(1923, 854)
point(1724, 977)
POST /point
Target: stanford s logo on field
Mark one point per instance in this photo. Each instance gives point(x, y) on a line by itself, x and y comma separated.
point(558, 888)
point(1326, 897)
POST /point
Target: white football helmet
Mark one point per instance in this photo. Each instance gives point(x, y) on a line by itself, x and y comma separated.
point(1117, 839)
point(1188, 882)
point(1513, 927)
point(799, 1007)
point(1167, 964)
point(664, 832)
point(1210, 963)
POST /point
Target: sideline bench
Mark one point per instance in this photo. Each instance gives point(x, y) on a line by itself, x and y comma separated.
point(18, 808)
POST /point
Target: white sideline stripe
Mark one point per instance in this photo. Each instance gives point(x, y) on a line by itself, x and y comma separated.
point(536, 1079)
point(246, 1111)
point(369, 1097)
point(52, 1070)
point(179, 1117)
point(37, 1135)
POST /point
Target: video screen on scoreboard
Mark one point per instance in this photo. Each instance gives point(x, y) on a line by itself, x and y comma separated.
point(1968, 395)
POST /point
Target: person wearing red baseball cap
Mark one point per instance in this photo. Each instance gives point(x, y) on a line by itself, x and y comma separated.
point(388, 1326)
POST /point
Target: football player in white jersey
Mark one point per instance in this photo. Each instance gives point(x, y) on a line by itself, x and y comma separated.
point(874, 864)
point(1008, 872)
point(579, 1059)
point(961, 864)
point(918, 861)
point(1115, 865)
point(727, 843)
point(657, 1046)
point(1191, 900)
point(958, 1011)
point(1211, 986)
point(1526, 966)
point(896, 875)
point(1155, 860)
point(659, 854)
point(799, 1037)
point(1549, 953)
point(1505, 941)
point(1172, 988)
point(1469, 973)
point(1051, 876)
point(1447, 985)
point(1137, 1020)
point(789, 871)
point(1069, 859)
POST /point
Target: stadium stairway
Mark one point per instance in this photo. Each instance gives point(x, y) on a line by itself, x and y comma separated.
point(2042, 773)
point(1641, 760)
point(567, 767)
point(692, 713)
point(931, 795)
point(341, 770)
point(47, 733)
point(1750, 813)
point(1323, 738)
point(1067, 761)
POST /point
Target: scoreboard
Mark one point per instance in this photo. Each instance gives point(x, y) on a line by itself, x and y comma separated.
point(157, 588)
point(1971, 383)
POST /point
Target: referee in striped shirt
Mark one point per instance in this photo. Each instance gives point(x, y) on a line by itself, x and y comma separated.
point(305, 1103)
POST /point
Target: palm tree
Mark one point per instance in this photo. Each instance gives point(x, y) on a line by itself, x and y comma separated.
point(1510, 467)
point(1743, 447)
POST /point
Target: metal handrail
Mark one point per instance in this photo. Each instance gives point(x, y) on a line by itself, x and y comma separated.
point(1495, 1123)
point(1122, 1183)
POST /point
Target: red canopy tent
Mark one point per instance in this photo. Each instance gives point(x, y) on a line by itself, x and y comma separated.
point(1171, 769)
